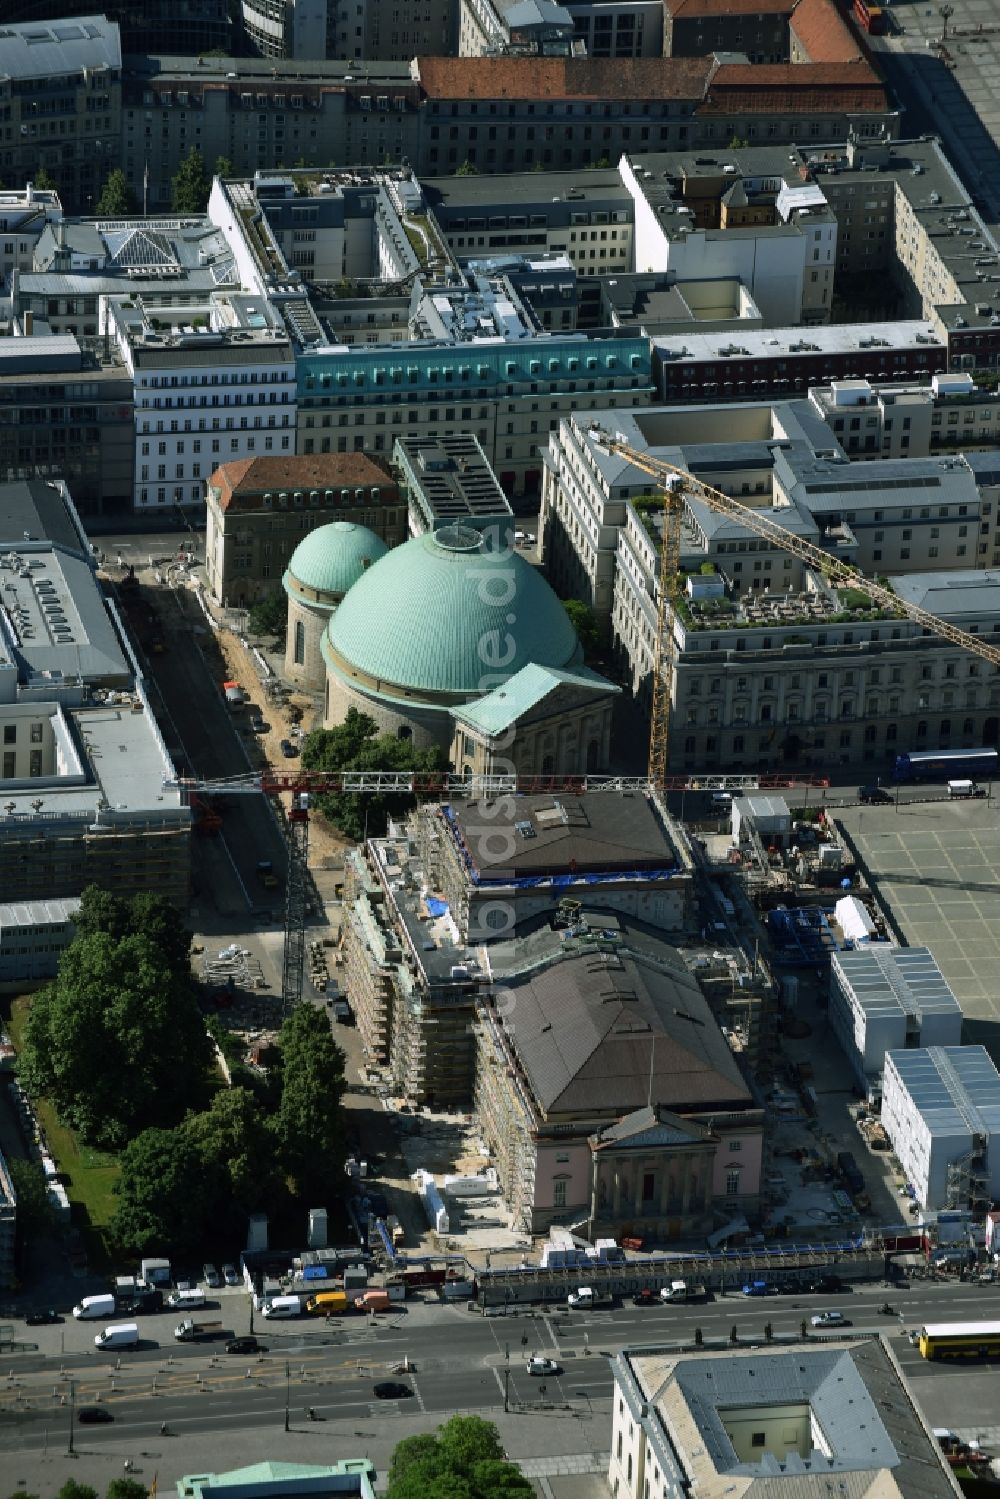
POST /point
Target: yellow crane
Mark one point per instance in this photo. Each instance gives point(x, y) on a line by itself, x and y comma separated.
point(676, 483)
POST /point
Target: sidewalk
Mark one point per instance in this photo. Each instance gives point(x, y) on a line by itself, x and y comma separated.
point(554, 1450)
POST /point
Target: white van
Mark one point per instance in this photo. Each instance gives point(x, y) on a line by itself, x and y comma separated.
point(118, 1335)
point(283, 1306)
point(186, 1299)
point(961, 788)
point(94, 1307)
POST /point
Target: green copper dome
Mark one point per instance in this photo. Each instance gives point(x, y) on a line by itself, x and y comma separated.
point(332, 558)
point(445, 614)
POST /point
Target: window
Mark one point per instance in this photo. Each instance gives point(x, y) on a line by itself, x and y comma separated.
point(300, 643)
point(733, 1182)
point(559, 1193)
point(735, 1145)
point(36, 733)
point(10, 733)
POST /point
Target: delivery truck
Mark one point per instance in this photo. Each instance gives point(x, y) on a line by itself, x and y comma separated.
point(327, 1304)
point(95, 1307)
point(679, 1290)
point(190, 1331)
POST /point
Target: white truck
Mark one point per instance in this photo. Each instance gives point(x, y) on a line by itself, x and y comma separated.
point(679, 1290)
point(190, 1331)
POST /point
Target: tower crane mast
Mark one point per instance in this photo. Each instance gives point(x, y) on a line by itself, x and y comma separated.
point(677, 483)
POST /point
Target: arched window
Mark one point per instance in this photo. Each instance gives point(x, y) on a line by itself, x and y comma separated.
point(300, 643)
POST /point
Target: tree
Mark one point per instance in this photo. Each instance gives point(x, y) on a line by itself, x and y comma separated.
point(223, 167)
point(269, 615)
point(145, 913)
point(584, 622)
point(233, 1135)
point(467, 169)
point(73, 1490)
point(126, 1488)
point(43, 181)
point(191, 185)
point(356, 744)
point(465, 1460)
point(116, 1041)
point(309, 1124)
point(115, 199)
point(166, 1192)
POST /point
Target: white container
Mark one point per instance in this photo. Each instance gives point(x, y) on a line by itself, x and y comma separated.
point(92, 1307)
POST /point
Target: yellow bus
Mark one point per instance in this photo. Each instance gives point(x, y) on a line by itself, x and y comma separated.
point(959, 1340)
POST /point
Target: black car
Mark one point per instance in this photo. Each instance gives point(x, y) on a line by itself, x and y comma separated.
point(41, 1319)
point(873, 796)
point(93, 1415)
point(645, 1297)
point(391, 1389)
point(288, 749)
point(827, 1285)
point(143, 1304)
point(245, 1345)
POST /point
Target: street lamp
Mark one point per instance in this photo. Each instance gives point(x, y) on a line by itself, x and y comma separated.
point(287, 1377)
point(945, 12)
point(72, 1412)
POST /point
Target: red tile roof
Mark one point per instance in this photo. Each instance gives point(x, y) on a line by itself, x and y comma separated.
point(823, 33)
point(778, 88)
point(690, 10)
point(564, 77)
point(246, 478)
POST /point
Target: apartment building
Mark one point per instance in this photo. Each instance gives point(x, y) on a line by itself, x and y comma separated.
point(60, 101)
point(310, 29)
point(909, 421)
point(259, 509)
point(513, 28)
point(214, 382)
point(759, 28)
point(177, 26)
point(619, 28)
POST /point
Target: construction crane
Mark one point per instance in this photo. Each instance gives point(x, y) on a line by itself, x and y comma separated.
point(677, 483)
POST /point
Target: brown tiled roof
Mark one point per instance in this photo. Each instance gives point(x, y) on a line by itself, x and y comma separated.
point(690, 10)
point(823, 33)
point(248, 477)
point(564, 77)
point(778, 88)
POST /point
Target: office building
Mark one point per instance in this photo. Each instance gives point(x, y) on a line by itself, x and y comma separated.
point(606, 1094)
point(175, 26)
point(758, 28)
point(311, 29)
point(785, 1422)
point(619, 28)
point(941, 1110)
point(260, 509)
point(60, 96)
point(886, 998)
point(214, 382)
point(89, 789)
point(33, 935)
point(910, 420)
point(516, 28)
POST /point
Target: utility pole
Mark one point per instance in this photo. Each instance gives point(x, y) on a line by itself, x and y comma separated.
point(287, 1378)
point(506, 1390)
point(72, 1414)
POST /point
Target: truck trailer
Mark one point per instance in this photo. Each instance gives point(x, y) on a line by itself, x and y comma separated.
point(190, 1331)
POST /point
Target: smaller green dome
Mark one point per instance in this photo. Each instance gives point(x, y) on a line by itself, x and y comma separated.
point(332, 558)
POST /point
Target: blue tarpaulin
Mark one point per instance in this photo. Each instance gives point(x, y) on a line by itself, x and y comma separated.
point(436, 907)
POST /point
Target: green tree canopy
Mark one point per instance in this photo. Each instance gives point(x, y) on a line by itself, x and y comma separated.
point(191, 185)
point(43, 181)
point(126, 1488)
point(166, 1194)
point(465, 1460)
point(116, 1041)
point(467, 169)
point(73, 1490)
point(584, 622)
point(356, 744)
point(269, 615)
point(115, 199)
point(234, 1135)
point(34, 1210)
point(309, 1123)
point(223, 167)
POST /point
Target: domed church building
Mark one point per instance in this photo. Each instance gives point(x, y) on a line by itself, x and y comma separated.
point(322, 568)
point(447, 641)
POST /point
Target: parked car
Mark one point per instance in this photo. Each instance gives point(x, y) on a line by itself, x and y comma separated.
point(93, 1415)
point(873, 795)
point(645, 1297)
point(212, 1277)
point(828, 1285)
point(759, 1288)
point(391, 1389)
point(288, 749)
point(258, 725)
point(245, 1345)
point(41, 1319)
point(829, 1319)
point(538, 1365)
point(583, 1297)
point(230, 1275)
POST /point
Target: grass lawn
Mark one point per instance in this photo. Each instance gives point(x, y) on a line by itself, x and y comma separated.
point(88, 1175)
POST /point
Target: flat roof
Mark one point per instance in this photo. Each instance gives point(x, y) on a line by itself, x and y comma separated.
point(43, 49)
point(896, 980)
point(778, 343)
point(56, 620)
point(29, 915)
point(955, 1089)
point(554, 835)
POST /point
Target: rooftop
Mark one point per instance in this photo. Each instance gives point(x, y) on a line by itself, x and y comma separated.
point(244, 482)
point(547, 837)
point(501, 709)
point(270, 1480)
point(886, 981)
point(955, 1088)
point(960, 596)
point(823, 32)
point(31, 914)
point(564, 78)
point(53, 619)
point(53, 50)
point(781, 343)
point(861, 1434)
point(688, 10)
point(600, 1032)
point(453, 478)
